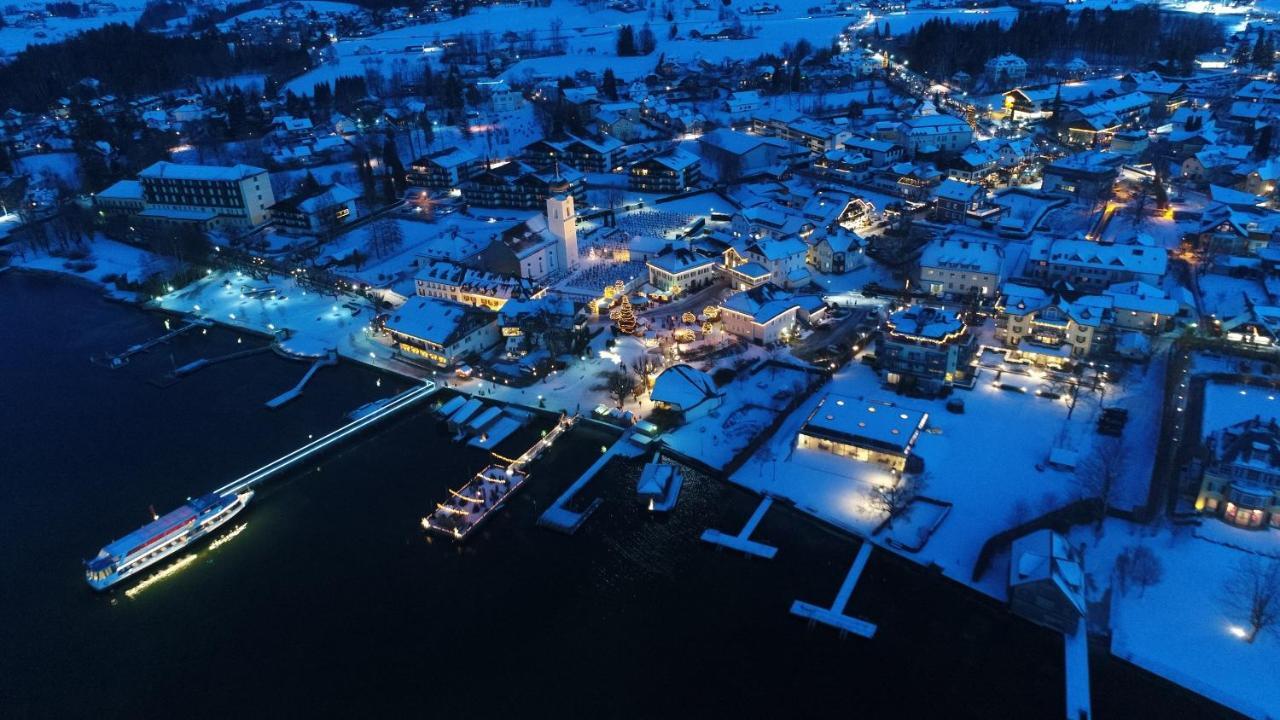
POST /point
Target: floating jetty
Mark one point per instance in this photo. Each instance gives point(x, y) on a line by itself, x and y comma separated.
point(559, 517)
point(296, 390)
point(467, 507)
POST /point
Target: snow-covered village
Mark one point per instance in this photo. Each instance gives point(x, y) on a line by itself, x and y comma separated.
point(641, 358)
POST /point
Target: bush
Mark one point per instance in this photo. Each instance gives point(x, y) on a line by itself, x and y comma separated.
point(723, 376)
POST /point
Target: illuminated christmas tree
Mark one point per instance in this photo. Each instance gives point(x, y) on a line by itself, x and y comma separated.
point(626, 318)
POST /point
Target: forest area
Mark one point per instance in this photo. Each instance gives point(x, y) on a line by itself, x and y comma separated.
point(1130, 37)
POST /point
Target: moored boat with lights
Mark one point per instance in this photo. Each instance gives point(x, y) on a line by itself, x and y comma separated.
point(162, 537)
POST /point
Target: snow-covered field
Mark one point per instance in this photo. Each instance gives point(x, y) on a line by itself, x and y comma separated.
point(62, 167)
point(589, 38)
point(19, 33)
point(295, 8)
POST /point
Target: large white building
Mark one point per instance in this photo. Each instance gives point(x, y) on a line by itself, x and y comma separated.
point(934, 133)
point(235, 196)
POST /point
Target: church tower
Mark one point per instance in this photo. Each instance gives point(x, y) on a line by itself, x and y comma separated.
point(563, 224)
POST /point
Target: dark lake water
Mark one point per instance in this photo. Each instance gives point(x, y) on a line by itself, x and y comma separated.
point(331, 602)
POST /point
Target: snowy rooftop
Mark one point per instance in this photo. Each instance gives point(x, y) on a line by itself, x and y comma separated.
point(963, 253)
point(872, 424)
point(174, 171)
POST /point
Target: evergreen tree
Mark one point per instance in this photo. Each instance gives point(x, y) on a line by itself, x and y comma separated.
point(609, 84)
point(1262, 145)
point(391, 163)
point(647, 42)
point(626, 320)
point(626, 44)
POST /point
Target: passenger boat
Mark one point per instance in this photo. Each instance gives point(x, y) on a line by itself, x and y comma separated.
point(162, 537)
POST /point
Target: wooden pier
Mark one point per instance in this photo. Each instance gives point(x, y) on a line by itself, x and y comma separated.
point(834, 615)
point(742, 542)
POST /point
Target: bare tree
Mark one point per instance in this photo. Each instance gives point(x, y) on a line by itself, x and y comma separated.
point(1140, 565)
point(893, 499)
point(1100, 473)
point(620, 384)
point(1253, 590)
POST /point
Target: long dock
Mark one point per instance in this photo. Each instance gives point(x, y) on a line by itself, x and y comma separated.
point(395, 404)
point(203, 363)
point(120, 359)
point(834, 615)
point(1079, 706)
point(742, 542)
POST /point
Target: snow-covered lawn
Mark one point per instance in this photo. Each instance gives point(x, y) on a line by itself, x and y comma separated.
point(106, 258)
point(314, 320)
point(1179, 628)
point(750, 407)
point(983, 462)
point(63, 167)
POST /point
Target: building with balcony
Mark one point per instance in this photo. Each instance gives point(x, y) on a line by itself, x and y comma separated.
point(1241, 483)
point(236, 196)
point(961, 267)
point(927, 348)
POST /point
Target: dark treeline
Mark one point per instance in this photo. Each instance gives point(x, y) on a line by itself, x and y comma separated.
point(1138, 35)
point(130, 61)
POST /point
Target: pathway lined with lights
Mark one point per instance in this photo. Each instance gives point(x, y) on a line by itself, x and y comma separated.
point(834, 615)
point(394, 405)
point(742, 541)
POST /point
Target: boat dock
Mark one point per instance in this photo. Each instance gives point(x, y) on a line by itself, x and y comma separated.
point(467, 507)
point(471, 504)
point(203, 363)
point(742, 542)
point(559, 517)
point(1077, 672)
point(834, 615)
point(397, 403)
point(120, 359)
point(296, 390)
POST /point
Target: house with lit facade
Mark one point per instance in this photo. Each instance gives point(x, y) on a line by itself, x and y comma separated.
point(1241, 482)
point(679, 270)
point(926, 347)
point(441, 333)
point(1045, 328)
point(867, 430)
point(961, 267)
point(447, 280)
point(767, 313)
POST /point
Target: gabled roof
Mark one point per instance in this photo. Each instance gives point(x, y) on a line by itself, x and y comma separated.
point(684, 387)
